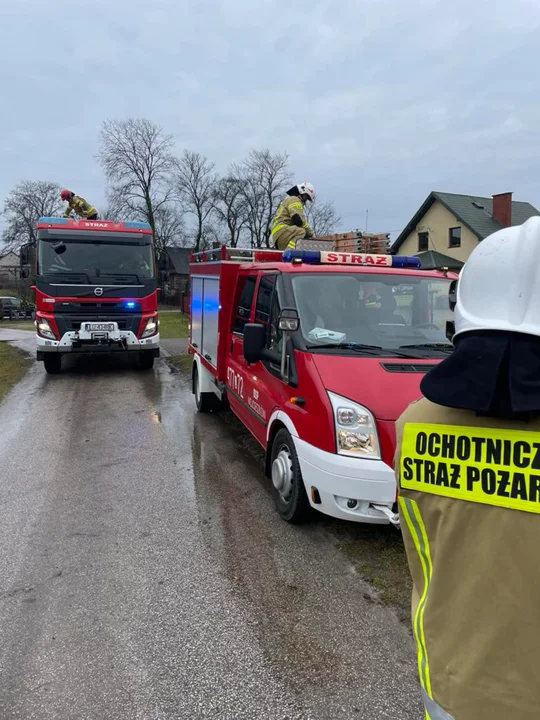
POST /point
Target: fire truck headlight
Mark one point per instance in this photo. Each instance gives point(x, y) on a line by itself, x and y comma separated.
point(356, 430)
point(44, 329)
point(150, 328)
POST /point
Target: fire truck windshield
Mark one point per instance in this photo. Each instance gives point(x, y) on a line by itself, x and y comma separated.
point(384, 311)
point(95, 258)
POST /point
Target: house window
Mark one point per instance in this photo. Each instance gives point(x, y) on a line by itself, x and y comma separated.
point(423, 241)
point(454, 237)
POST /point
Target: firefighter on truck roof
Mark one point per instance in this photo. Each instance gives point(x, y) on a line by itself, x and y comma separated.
point(468, 463)
point(290, 224)
point(78, 205)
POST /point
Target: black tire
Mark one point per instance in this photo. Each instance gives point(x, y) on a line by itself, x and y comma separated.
point(53, 363)
point(206, 401)
point(145, 360)
point(291, 499)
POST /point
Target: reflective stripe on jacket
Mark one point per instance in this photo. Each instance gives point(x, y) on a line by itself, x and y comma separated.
point(284, 232)
point(469, 499)
point(80, 207)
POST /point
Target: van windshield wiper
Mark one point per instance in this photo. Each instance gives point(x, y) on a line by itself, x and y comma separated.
point(443, 347)
point(343, 346)
point(376, 350)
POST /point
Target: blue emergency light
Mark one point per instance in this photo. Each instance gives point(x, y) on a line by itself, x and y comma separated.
point(312, 257)
point(134, 224)
point(406, 261)
point(130, 304)
point(318, 257)
point(54, 220)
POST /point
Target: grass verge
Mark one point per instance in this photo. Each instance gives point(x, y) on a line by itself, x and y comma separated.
point(173, 325)
point(13, 366)
point(378, 555)
point(181, 362)
point(17, 325)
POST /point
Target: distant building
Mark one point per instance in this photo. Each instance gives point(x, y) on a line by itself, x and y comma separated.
point(174, 268)
point(9, 269)
point(447, 227)
point(174, 277)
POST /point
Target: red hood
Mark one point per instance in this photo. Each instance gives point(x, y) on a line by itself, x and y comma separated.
point(365, 381)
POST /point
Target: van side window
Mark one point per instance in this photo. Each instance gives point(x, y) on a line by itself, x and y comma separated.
point(264, 300)
point(244, 292)
point(275, 336)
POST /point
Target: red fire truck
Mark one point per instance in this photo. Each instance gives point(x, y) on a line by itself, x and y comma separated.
point(318, 353)
point(96, 289)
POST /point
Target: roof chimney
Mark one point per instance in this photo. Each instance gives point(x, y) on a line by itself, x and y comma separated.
point(502, 208)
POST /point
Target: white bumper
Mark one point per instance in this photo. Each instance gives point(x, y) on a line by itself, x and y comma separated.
point(117, 339)
point(339, 479)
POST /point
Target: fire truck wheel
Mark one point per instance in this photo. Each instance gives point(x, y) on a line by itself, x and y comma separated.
point(53, 363)
point(287, 485)
point(145, 360)
point(205, 401)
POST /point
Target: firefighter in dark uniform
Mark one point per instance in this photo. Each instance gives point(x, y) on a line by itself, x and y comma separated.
point(468, 463)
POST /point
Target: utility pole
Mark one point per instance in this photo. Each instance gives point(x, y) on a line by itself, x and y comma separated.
point(367, 218)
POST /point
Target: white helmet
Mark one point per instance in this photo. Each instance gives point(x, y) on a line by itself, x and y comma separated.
point(499, 286)
point(306, 188)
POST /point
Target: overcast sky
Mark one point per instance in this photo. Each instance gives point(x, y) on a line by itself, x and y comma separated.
point(376, 104)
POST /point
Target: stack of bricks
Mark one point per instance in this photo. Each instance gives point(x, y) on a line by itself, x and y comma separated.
point(315, 245)
point(356, 241)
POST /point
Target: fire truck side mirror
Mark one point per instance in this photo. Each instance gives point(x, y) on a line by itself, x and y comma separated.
point(25, 255)
point(25, 273)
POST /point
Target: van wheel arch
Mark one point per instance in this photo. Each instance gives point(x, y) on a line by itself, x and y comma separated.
point(276, 427)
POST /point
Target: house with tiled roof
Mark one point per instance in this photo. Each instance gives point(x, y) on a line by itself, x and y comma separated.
point(447, 227)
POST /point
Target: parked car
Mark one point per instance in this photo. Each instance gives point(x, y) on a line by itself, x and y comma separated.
point(12, 308)
point(7, 303)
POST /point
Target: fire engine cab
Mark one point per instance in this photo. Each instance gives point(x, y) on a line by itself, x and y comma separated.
point(318, 353)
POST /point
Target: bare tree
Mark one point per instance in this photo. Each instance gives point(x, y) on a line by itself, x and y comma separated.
point(265, 177)
point(230, 208)
point(195, 181)
point(117, 212)
point(322, 217)
point(211, 237)
point(170, 227)
point(24, 205)
point(136, 156)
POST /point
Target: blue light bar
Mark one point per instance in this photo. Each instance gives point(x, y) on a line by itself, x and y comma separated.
point(313, 257)
point(133, 224)
point(130, 304)
point(56, 220)
point(408, 261)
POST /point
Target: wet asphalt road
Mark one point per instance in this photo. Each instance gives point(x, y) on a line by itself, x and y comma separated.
point(145, 575)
